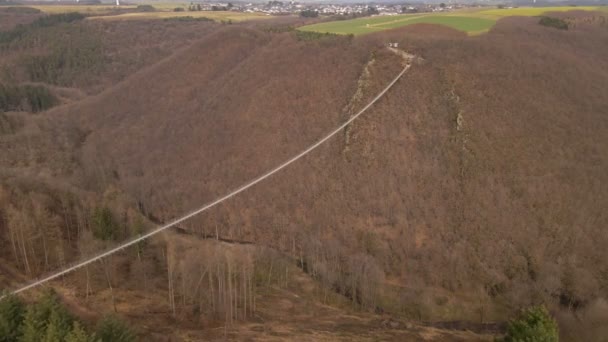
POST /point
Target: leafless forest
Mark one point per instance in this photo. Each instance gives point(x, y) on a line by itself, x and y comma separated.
point(476, 187)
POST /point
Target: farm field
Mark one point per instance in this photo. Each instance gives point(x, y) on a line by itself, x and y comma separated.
point(163, 11)
point(369, 25)
point(215, 15)
point(534, 11)
point(470, 21)
point(84, 9)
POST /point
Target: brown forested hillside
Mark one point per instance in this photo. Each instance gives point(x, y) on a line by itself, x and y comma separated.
point(475, 187)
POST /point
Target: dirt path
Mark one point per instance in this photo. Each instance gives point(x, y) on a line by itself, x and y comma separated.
point(408, 58)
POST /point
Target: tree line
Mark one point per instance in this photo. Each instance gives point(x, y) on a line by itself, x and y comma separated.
point(60, 54)
point(32, 98)
point(52, 51)
point(44, 22)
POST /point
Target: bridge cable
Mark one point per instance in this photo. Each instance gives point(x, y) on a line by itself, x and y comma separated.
point(212, 204)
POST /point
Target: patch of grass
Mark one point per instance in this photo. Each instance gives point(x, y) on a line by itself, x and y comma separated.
point(354, 26)
point(466, 24)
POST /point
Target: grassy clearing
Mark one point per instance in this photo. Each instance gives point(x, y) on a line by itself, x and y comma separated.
point(215, 15)
point(470, 21)
point(466, 24)
point(374, 24)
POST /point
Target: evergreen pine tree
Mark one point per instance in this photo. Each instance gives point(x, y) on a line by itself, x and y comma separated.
point(53, 331)
point(32, 329)
point(37, 324)
point(78, 334)
point(112, 329)
point(534, 324)
point(12, 311)
point(58, 326)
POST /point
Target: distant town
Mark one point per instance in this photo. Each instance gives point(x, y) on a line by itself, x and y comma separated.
point(312, 10)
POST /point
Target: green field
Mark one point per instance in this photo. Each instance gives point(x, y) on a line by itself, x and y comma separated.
point(368, 25)
point(470, 21)
point(535, 11)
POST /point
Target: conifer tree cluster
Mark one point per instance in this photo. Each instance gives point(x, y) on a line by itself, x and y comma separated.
point(47, 320)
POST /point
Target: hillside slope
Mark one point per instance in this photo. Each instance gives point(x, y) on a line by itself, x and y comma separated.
point(475, 187)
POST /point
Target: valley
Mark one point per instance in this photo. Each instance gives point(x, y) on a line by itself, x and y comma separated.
point(256, 179)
